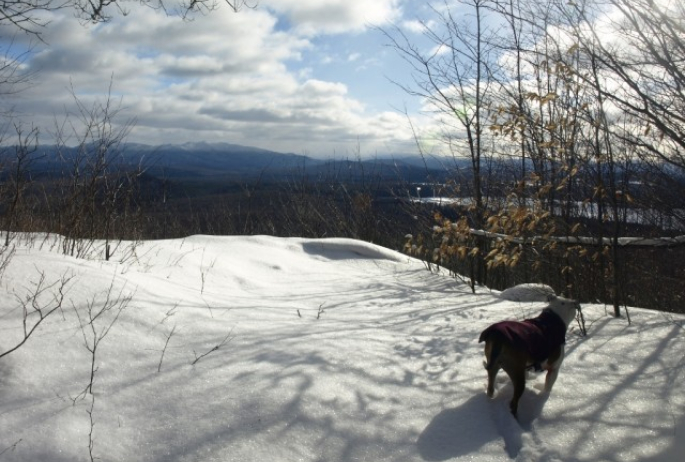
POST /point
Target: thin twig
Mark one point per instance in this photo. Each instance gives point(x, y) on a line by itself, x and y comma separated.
point(12, 447)
point(215, 348)
point(168, 338)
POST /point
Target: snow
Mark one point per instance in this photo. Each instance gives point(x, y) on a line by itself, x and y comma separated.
point(316, 350)
point(532, 292)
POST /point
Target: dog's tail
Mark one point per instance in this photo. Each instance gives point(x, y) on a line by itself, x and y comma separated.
point(493, 342)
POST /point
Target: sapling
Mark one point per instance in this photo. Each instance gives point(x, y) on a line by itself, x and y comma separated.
point(95, 326)
point(168, 338)
point(35, 310)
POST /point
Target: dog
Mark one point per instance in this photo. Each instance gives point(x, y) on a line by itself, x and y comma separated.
point(516, 346)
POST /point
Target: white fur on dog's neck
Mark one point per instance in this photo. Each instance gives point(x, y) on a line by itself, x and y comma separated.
point(565, 308)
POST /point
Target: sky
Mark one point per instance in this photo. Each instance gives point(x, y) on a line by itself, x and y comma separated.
point(304, 76)
point(257, 348)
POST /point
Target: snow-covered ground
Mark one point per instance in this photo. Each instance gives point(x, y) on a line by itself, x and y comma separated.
point(309, 350)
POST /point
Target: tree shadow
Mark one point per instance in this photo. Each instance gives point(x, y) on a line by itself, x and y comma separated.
point(676, 449)
point(640, 390)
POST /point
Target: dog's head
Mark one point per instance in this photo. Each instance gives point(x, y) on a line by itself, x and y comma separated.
point(565, 308)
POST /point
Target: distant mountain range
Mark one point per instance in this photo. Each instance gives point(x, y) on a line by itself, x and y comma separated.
point(203, 160)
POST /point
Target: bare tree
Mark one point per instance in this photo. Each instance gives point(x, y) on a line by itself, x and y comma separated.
point(18, 179)
point(94, 183)
point(641, 54)
point(13, 77)
point(455, 78)
point(27, 16)
point(576, 105)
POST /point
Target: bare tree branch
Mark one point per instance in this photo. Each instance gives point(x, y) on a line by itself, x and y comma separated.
point(26, 15)
point(226, 339)
point(35, 310)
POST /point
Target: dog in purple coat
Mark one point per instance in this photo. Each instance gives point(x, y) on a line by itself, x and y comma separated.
point(519, 345)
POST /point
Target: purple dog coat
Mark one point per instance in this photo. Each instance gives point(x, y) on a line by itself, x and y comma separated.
point(538, 336)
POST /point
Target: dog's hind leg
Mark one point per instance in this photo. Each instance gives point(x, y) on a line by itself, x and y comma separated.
point(492, 375)
point(492, 351)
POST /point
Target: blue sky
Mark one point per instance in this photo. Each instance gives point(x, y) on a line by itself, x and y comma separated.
point(303, 76)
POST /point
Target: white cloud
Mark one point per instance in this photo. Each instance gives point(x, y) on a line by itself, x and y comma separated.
point(221, 77)
point(418, 27)
point(312, 17)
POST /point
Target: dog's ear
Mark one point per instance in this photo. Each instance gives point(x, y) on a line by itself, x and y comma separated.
point(551, 297)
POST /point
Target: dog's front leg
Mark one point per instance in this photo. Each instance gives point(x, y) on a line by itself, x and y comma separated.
point(554, 364)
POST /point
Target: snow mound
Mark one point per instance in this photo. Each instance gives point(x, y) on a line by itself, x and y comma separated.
point(528, 293)
point(350, 249)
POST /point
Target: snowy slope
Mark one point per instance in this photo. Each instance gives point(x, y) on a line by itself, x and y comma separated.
point(333, 350)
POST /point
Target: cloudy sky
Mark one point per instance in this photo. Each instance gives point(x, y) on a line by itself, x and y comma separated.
point(304, 76)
